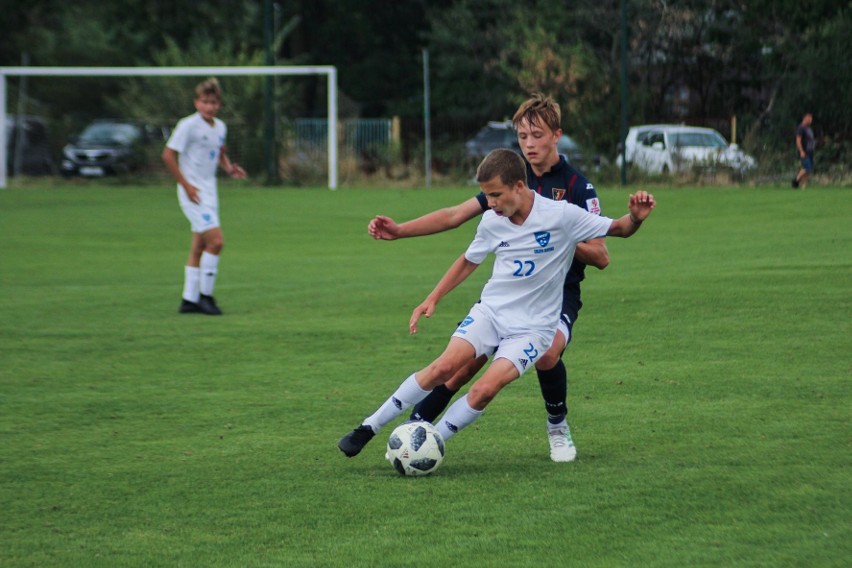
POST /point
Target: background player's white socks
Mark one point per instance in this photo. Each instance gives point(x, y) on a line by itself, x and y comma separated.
point(459, 415)
point(190, 283)
point(209, 269)
point(408, 394)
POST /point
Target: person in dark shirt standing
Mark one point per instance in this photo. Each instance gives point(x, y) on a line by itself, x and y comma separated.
point(805, 149)
point(538, 124)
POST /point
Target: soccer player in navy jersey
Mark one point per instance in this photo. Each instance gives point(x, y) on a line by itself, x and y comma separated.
point(533, 240)
point(538, 124)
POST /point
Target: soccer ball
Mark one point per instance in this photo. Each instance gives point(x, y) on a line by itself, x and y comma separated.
point(415, 448)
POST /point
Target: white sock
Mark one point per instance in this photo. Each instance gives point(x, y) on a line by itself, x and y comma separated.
point(459, 415)
point(407, 394)
point(209, 269)
point(190, 283)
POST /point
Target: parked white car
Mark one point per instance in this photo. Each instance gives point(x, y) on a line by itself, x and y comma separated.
point(680, 148)
point(635, 136)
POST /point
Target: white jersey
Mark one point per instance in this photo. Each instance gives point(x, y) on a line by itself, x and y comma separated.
point(199, 145)
point(524, 293)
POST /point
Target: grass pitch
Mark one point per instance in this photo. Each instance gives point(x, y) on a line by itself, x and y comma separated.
point(709, 389)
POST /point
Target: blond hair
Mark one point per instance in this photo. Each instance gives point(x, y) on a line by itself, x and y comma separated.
point(537, 110)
point(209, 88)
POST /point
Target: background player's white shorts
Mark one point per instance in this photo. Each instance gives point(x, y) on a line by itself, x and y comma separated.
point(563, 327)
point(201, 217)
point(480, 331)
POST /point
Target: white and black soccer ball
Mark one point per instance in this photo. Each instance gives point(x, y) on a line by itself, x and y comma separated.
point(415, 448)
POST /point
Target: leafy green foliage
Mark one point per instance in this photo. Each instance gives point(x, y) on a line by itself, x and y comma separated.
point(764, 61)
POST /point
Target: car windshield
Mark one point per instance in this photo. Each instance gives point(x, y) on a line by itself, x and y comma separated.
point(110, 133)
point(489, 134)
point(698, 139)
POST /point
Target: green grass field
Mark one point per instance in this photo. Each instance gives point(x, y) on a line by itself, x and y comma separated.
point(709, 389)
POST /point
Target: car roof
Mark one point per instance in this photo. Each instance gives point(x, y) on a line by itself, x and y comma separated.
point(691, 129)
point(643, 127)
point(685, 129)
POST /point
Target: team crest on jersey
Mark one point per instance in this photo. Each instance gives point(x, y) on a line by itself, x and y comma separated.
point(593, 206)
point(542, 238)
point(467, 321)
point(558, 194)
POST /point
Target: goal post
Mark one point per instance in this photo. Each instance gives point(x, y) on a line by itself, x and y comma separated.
point(328, 70)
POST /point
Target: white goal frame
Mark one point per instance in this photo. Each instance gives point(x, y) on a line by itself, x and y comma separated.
point(328, 70)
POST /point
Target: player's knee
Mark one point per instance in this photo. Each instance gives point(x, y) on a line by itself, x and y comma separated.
point(440, 371)
point(481, 394)
point(548, 360)
point(215, 246)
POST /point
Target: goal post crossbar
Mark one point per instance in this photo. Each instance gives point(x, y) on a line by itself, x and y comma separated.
point(328, 70)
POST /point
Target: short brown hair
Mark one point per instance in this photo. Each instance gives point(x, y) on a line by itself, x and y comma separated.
point(539, 109)
point(208, 88)
point(504, 164)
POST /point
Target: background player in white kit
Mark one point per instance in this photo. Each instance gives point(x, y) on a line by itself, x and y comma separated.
point(533, 239)
point(192, 154)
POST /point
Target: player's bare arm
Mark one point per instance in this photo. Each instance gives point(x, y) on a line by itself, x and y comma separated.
point(640, 204)
point(457, 273)
point(593, 253)
point(171, 161)
point(385, 228)
point(233, 169)
point(800, 147)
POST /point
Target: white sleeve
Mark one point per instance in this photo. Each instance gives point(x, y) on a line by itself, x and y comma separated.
point(478, 249)
point(585, 225)
point(180, 135)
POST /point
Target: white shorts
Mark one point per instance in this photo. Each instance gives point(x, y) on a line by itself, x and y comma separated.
point(563, 327)
point(202, 217)
point(480, 331)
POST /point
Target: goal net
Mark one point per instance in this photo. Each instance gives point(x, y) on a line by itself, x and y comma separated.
point(243, 139)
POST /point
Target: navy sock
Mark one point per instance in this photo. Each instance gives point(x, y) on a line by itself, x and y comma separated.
point(554, 389)
point(433, 405)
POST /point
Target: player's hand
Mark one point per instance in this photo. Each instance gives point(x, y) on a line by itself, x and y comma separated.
point(641, 204)
point(383, 228)
point(192, 193)
point(237, 171)
point(426, 308)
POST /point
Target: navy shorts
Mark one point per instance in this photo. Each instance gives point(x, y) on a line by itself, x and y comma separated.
point(808, 163)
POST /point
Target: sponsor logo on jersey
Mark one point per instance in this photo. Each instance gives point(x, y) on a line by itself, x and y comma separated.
point(466, 322)
point(593, 205)
point(503, 244)
point(558, 194)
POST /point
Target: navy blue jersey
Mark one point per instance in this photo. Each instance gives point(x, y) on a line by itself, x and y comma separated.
point(566, 183)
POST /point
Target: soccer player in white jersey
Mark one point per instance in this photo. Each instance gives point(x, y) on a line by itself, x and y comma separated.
point(192, 154)
point(533, 240)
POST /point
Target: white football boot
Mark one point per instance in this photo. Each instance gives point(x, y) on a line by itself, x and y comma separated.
point(561, 445)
